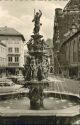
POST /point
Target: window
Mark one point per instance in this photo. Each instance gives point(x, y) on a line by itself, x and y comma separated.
point(10, 50)
point(10, 59)
point(16, 59)
point(16, 50)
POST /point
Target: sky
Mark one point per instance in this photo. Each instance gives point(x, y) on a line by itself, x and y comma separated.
point(19, 14)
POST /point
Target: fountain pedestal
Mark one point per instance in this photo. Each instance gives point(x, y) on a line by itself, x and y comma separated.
point(36, 67)
point(36, 95)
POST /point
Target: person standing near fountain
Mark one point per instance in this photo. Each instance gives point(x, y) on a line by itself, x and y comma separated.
point(33, 69)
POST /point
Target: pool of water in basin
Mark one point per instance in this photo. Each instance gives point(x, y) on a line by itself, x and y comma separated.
point(50, 103)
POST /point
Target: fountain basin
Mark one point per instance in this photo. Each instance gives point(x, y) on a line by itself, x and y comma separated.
point(15, 108)
point(50, 117)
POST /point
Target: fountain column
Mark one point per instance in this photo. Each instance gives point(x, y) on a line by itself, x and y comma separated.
point(36, 67)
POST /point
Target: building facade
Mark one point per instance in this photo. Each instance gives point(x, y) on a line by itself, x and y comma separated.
point(50, 54)
point(15, 49)
point(50, 59)
point(64, 19)
point(25, 56)
point(3, 58)
point(70, 51)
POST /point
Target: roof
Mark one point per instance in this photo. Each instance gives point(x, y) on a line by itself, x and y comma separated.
point(71, 37)
point(72, 5)
point(7, 31)
point(2, 44)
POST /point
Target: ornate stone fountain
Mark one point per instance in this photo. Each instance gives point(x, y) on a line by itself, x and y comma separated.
point(36, 67)
point(58, 108)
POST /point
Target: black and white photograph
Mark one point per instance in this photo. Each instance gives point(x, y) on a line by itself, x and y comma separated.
point(39, 62)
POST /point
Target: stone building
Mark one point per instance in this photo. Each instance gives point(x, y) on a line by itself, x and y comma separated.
point(62, 24)
point(3, 58)
point(14, 42)
point(25, 55)
point(50, 55)
point(70, 51)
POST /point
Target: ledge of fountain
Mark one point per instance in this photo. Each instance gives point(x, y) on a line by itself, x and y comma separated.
point(35, 81)
point(67, 112)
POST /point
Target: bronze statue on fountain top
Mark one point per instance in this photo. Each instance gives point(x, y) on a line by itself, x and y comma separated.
point(36, 21)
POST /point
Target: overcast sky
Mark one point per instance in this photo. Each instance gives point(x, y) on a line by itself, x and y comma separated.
point(19, 14)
